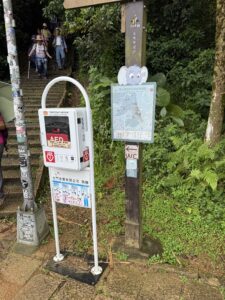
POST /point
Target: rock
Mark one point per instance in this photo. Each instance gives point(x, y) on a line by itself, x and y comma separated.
point(214, 282)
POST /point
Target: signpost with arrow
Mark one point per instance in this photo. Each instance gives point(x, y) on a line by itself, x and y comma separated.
point(134, 24)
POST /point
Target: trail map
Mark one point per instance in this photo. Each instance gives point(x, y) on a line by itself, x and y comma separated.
point(133, 112)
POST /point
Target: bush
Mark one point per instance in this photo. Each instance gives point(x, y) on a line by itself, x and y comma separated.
point(191, 85)
point(183, 192)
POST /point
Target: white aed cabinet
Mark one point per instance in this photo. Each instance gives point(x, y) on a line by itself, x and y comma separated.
point(64, 137)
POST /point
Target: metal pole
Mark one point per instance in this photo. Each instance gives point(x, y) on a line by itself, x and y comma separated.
point(24, 155)
point(96, 270)
point(59, 256)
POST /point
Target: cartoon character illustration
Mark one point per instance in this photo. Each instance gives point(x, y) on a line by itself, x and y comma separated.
point(132, 75)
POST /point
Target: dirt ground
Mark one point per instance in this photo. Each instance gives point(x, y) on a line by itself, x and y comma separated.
point(25, 276)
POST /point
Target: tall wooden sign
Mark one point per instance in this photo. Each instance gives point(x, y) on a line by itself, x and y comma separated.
point(133, 13)
point(135, 45)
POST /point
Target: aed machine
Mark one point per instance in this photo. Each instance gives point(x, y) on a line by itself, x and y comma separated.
point(64, 137)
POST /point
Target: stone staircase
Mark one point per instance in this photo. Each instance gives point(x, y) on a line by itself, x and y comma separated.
point(32, 91)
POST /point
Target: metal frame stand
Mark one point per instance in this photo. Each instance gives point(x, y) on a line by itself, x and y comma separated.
point(96, 270)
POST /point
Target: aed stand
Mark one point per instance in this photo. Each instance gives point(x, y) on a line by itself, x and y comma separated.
point(68, 151)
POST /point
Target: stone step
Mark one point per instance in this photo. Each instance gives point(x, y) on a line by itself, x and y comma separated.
point(13, 163)
point(29, 126)
point(11, 173)
point(13, 190)
point(37, 106)
point(10, 206)
point(38, 93)
point(28, 83)
point(31, 119)
point(13, 176)
point(32, 132)
point(31, 143)
point(13, 153)
point(37, 102)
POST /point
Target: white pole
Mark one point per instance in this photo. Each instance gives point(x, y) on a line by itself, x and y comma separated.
point(58, 256)
point(96, 270)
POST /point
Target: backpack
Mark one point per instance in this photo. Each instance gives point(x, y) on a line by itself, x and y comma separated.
point(36, 49)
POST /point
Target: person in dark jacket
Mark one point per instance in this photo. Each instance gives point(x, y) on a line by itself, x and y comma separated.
point(60, 48)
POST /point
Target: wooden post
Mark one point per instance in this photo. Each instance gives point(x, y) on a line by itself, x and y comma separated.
point(134, 55)
point(135, 19)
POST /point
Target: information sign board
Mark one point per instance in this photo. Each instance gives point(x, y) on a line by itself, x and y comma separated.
point(133, 112)
point(70, 187)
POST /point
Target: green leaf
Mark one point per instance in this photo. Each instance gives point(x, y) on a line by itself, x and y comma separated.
point(195, 173)
point(159, 78)
point(176, 111)
point(211, 178)
point(163, 112)
point(220, 163)
point(172, 180)
point(163, 97)
point(205, 152)
point(178, 121)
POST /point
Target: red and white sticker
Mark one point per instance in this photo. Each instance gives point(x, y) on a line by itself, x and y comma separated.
point(50, 156)
point(86, 155)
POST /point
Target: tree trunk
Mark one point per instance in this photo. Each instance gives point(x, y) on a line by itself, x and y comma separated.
point(216, 113)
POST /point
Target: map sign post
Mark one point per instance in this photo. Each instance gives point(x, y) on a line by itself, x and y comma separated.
point(135, 47)
point(134, 14)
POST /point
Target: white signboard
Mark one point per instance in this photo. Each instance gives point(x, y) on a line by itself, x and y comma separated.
point(131, 168)
point(133, 112)
point(71, 187)
point(132, 152)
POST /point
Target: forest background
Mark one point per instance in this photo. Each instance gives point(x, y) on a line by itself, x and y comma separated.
point(183, 189)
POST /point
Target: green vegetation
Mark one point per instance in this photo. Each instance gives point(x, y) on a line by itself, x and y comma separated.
point(183, 202)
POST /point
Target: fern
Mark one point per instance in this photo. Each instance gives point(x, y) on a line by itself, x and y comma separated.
point(204, 152)
point(211, 178)
point(195, 173)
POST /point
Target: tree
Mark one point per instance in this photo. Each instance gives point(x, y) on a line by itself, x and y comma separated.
point(25, 27)
point(216, 113)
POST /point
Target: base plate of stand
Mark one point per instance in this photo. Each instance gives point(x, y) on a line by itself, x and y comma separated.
point(77, 267)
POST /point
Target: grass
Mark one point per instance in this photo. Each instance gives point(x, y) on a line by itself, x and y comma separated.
point(180, 233)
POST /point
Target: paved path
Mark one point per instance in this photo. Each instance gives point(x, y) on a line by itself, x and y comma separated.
point(25, 277)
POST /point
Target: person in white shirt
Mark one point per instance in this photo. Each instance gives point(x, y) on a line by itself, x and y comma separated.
point(60, 48)
point(41, 54)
